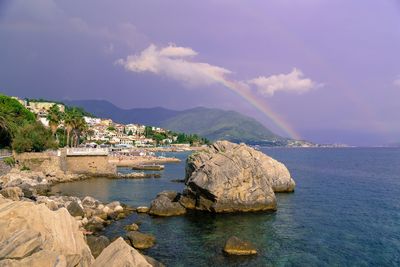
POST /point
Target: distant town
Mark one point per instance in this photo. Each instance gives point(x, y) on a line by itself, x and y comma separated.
point(105, 132)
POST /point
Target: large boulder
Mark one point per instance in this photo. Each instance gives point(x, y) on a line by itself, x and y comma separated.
point(236, 246)
point(33, 235)
point(167, 204)
point(227, 177)
point(120, 254)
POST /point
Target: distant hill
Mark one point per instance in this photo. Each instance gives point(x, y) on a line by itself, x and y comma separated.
point(213, 124)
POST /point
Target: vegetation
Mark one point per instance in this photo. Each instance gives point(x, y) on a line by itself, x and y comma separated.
point(177, 138)
point(74, 124)
point(215, 124)
point(10, 161)
point(33, 137)
point(12, 116)
point(54, 117)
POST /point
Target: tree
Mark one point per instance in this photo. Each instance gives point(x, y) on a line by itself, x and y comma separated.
point(130, 132)
point(54, 117)
point(68, 123)
point(33, 137)
point(90, 133)
point(13, 115)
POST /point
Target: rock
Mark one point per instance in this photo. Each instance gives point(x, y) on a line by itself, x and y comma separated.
point(107, 210)
point(118, 208)
point(142, 209)
point(89, 202)
point(186, 200)
point(113, 205)
point(14, 193)
point(120, 254)
point(227, 177)
point(29, 191)
point(95, 224)
point(167, 204)
point(141, 241)
point(132, 227)
point(153, 262)
point(43, 189)
point(235, 246)
point(33, 235)
point(97, 244)
point(75, 209)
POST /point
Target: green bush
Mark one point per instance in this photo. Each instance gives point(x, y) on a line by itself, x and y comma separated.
point(24, 168)
point(10, 161)
point(33, 138)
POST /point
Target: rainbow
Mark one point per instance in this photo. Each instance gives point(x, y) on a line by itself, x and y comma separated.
point(256, 101)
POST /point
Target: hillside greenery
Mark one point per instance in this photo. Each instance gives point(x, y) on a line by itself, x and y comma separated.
point(215, 124)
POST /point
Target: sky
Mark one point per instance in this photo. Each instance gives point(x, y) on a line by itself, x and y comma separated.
point(319, 70)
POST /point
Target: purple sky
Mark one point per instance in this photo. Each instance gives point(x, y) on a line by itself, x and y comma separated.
point(330, 69)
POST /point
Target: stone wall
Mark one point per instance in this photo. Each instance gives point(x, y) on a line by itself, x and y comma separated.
point(90, 165)
point(58, 161)
point(48, 161)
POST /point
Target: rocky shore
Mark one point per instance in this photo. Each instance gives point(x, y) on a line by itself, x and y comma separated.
point(41, 230)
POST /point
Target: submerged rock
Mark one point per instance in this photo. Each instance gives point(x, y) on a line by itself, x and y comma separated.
point(142, 209)
point(120, 254)
point(227, 177)
point(167, 204)
point(141, 241)
point(132, 227)
point(33, 235)
point(235, 246)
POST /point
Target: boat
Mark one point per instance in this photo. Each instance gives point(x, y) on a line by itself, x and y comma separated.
point(149, 167)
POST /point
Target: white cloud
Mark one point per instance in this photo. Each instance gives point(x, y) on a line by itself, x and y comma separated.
point(176, 63)
point(171, 62)
point(291, 82)
point(177, 51)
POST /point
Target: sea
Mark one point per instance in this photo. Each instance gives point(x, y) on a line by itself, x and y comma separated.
point(345, 211)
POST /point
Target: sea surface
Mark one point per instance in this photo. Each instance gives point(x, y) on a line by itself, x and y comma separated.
point(345, 212)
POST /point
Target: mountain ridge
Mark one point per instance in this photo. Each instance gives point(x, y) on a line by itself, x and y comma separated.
point(212, 123)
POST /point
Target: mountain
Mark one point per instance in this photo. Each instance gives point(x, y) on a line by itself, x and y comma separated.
point(105, 109)
point(213, 124)
point(218, 124)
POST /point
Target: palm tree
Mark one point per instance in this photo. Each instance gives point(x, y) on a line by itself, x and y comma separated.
point(69, 124)
point(79, 126)
point(54, 117)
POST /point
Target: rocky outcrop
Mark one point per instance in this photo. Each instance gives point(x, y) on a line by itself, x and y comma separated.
point(167, 204)
point(227, 177)
point(120, 254)
point(235, 246)
point(33, 235)
point(14, 193)
point(139, 240)
point(16, 177)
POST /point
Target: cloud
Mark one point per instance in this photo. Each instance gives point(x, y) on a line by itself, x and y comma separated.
point(48, 17)
point(171, 62)
point(176, 63)
point(291, 82)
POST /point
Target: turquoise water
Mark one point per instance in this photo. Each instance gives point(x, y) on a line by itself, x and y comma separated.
point(345, 212)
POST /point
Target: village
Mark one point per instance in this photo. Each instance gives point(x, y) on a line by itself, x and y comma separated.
point(104, 132)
